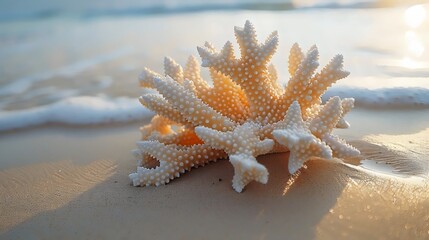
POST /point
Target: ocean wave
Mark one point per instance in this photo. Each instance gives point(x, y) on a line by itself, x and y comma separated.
point(383, 98)
point(20, 85)
point(86, 110)
point(82, 110)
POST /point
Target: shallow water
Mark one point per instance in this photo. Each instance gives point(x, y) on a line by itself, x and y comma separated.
point(46, 62)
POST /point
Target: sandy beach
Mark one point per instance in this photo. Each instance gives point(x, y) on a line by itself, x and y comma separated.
point(73, 184)
point(70, 117)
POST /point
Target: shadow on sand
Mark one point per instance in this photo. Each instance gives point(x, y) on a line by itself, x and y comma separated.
point(199, 205)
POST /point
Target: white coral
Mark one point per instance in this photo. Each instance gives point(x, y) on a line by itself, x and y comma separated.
point(244, 114)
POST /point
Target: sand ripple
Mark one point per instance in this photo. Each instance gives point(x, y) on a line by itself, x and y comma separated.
point(35, 188)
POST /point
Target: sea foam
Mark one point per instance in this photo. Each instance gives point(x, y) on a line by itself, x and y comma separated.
point(82, 110)
point(383, 98)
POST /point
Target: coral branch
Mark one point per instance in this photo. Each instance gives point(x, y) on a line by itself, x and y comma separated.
point(295, 58)
point(246, 113)
point(158, 104)
point(173, 161)
point(195, 110)
point(173, 69)
point(242, 145)
point(193, 72)
point(299, 140)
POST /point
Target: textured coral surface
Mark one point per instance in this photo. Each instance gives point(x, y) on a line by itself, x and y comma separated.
point(244, 114)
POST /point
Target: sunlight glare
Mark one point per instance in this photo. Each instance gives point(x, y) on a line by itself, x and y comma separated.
point(415, 15)
point(292, 180)
point(414, 44)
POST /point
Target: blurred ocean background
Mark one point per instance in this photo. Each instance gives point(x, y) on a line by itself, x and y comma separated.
point(77, 62)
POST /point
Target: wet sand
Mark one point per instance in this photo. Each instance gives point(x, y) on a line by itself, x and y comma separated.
point(72, 183)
